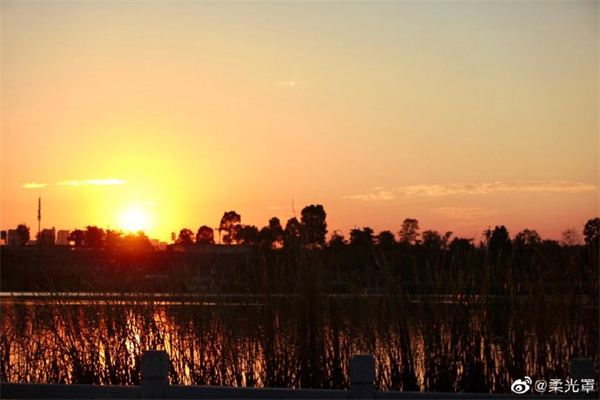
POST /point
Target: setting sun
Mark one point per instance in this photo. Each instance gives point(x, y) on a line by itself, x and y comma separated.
point(134, 220)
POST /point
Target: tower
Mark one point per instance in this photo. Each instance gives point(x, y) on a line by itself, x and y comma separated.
point(39, 215)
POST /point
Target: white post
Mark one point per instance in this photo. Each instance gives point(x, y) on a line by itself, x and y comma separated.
point(155, 369)
point(583, 368)
point(362, 377)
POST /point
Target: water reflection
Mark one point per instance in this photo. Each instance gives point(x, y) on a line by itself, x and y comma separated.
point(292, 341)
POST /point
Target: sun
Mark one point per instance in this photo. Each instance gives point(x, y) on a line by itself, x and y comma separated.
point(134, 220)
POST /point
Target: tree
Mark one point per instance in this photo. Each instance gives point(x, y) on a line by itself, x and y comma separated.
point(432, 240)
point(276, 230)
point(113, 239)
point(291, 234)
point(205, 235)
point(460, 245)
point(385, 240)
point(499, 245)
point(313, 220)
point(22, 234)
point(77, 236)
point(446, 239)
point(229, 221)
point(265, 237)
point(362, 237)
point(591, 231)
point(527, 238)
point(136, 243)
point(186, 236)
point(337, 242)
point(409, 232)
point(247, 234)
point(570, 237)
point(94, 236)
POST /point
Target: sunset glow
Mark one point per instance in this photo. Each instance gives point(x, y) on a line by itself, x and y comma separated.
point(134, 220)
point(464, 115)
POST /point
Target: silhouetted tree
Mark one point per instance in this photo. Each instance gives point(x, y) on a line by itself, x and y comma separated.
point(136, 243)
point(186, 236)
point(362, 237)
point(313, 220)
point(570, 237)
point(591, 231)
point(247, 234)
point(385, 240)
point(499, 245)
point(265, 237)
point(205, 235)
point(22, 234)
point(527, 238)
point(409, 232)
point(113, 239)
point(337, 242)
point(292, 232)
point(77, 236)
point(94, 236)
point(276, 230)
point(432, 240)
point(460, 245)
point(229, 221)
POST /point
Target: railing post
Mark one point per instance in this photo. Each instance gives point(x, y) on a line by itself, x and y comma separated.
point(362, 376)
point(583, 368)
point(155, 369)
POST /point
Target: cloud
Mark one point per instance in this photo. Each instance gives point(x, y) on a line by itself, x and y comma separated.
point(292, 83)
point(495, 187)
point(465, 213)
point(110, 181)
point(34, 185)
point(379, 194)
point(287, 83)
point(484, 188)
point(275, 207)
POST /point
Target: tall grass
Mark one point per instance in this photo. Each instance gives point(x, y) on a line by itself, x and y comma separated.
point(292, 330)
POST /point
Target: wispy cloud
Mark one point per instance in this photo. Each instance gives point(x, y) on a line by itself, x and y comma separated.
point(293, 83)
point(92, 182)
point(110, 181)
point(275, 207)
point(287, 83)
point(377, 194)
point(495, 187)
point(34, 185)
point(465, 213)
point(484, 188)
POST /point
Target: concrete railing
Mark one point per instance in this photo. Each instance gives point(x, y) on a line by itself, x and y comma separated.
point(155, 385)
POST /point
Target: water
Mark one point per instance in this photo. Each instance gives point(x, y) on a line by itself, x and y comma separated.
point(428, 343)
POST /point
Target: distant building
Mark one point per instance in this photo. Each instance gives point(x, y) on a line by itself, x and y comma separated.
point(13, 238)
point(158, 245)
point(62, 238)
point(47, 237)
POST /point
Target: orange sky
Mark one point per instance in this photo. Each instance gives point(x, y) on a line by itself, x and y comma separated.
point(462, 115)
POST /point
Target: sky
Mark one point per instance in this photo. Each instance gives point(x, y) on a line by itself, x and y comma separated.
point(162, 116)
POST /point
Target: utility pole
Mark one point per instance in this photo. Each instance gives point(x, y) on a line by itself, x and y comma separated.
point(39, 215)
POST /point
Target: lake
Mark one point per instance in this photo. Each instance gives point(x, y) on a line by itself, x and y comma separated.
point(428, 343)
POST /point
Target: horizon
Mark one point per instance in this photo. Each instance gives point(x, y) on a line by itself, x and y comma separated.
point(463, 116)
point(136, 226)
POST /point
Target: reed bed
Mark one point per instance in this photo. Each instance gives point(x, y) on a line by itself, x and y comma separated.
point(300, 333)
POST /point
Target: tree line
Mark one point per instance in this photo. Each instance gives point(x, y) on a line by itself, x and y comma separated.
point(311, 231)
